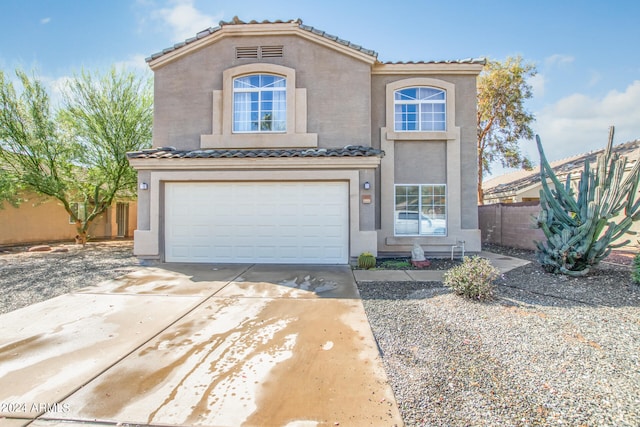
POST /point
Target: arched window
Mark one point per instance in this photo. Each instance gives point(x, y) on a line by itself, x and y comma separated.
point(260, 103)
point(420, 109)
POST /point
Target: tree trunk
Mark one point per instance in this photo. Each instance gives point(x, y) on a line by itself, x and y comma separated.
point(81, 237)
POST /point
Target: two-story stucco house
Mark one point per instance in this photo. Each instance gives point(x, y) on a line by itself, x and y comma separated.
point(283, 144)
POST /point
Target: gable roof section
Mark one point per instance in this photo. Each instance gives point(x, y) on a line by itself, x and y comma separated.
point(238, 27)
point(515, 182)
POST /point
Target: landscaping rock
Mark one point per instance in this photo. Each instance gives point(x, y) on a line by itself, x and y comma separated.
point(39, 248)
point(421, 264)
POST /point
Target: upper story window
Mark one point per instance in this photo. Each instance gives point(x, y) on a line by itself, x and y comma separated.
point(420, 109)
point(260, 103)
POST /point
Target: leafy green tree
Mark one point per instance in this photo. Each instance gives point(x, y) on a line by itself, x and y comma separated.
point(76, 155)
point(502, 119)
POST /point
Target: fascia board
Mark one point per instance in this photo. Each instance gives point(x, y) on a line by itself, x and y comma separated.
point(426, 69)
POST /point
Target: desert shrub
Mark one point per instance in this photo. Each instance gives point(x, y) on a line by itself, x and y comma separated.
point(472, 279)
point(635, 275)
point(366, 260)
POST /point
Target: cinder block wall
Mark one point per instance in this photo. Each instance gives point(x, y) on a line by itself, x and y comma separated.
point(510, 224)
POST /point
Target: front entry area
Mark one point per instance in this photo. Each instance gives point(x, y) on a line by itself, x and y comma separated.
point(257, 222)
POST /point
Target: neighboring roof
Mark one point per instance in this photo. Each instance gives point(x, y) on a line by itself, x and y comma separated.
point(172, 153)
point(298, 22)
point(514, 182)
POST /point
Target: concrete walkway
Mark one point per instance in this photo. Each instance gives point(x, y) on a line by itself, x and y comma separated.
point(197, 345)
point(501, 262)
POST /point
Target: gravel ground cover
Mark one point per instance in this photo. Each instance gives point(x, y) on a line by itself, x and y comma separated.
point(549, 350)
point(30, 277)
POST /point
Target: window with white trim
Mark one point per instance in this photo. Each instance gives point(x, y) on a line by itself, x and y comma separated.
point(420, 109)
point(420, 210)
point(260, 103)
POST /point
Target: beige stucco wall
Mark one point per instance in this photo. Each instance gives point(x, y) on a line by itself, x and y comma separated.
point(446, 157)
point(148, 242)
point(41, 219)
point(337, 87)
point(341, 98)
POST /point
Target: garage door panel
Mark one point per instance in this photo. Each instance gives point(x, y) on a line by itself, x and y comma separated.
point(257, 222)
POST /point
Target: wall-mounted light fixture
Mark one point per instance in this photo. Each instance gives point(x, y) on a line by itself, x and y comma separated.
point(367, 185)
point(144, 186)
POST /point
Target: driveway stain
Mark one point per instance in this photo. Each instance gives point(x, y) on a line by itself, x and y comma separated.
point(265, 362)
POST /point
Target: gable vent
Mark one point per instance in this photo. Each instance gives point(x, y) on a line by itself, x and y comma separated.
point(255, 52)
point(246, 52)
point(271, 51)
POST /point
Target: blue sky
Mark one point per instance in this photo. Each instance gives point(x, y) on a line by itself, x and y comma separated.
point(586, 52)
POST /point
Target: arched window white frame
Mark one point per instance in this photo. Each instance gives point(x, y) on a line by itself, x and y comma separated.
point(260, 103)
point(290, 127)
point(420, 109)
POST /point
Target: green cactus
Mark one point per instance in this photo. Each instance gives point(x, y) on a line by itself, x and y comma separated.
point(580, 229)
point(366, 260)
point(635, 272)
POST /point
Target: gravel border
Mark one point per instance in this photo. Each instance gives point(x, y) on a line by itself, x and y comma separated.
point(549, 350)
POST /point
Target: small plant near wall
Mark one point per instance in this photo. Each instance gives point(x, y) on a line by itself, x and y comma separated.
point(635, 274)
point(472, 279)
point(366, 260)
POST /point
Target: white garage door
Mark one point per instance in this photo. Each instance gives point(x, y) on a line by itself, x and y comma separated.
point(251, 222)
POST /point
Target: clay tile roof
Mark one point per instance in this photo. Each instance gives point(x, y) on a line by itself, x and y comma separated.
point(480, 61)
point(173, 153)
point(236, 21)
point(519, 180)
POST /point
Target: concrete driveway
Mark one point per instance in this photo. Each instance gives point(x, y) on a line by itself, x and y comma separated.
point(223, 345)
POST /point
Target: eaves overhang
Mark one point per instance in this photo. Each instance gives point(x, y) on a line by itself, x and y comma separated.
point(464, 66)
point(348, 157)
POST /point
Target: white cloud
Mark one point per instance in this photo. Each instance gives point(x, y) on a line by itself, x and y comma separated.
point(45, 20)
point(579, 123)
point(558, 59)
point(185, 20)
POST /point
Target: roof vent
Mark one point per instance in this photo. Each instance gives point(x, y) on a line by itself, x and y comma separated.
point(271, 51)
point(246, 52)
point(255, 52)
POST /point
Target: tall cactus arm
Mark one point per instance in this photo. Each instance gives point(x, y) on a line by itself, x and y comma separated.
point(633, 180)
point(583, 187)
point(548, 171)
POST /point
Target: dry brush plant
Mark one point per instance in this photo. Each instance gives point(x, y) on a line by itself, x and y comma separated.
point(472, 279)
